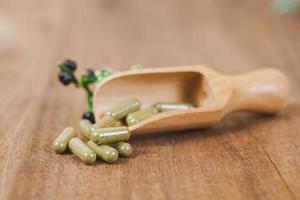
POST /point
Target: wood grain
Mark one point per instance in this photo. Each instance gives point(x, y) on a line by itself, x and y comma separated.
point(244, 157)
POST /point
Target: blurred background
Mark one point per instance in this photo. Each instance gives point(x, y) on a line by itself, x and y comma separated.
point(231, 36)
point(239, 34)
point(228, 35)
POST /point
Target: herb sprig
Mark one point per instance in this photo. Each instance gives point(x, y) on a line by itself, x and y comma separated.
point(67, 76)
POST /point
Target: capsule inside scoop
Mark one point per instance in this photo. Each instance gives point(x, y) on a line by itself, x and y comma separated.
point(150, 88)
point(138, 116)
point(122, 109)
point(170, 106)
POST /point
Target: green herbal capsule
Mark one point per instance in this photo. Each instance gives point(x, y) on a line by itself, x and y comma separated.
point(85, 127)
point(106, 121)
point(121, 110)
point(138, 116)
point(82, 151)
point(124, 149)
point(110, 135)
point(60, 144)
point(166, 106)
point(104, 152)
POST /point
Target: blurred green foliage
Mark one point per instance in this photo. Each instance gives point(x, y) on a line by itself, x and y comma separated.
point(286, 6)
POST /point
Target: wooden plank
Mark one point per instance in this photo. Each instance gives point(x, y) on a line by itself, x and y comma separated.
point(243, 157)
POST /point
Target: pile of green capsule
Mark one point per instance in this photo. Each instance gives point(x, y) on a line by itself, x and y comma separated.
point(107, 139)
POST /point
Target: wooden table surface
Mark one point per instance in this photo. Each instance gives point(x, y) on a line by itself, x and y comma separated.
point(243, 157)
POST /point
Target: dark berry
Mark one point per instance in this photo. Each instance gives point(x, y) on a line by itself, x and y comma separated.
point(89, 116)
point(65, 78)
point(90, 72)
point(72, 65)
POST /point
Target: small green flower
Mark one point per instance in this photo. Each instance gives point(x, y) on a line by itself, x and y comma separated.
point(102, 74)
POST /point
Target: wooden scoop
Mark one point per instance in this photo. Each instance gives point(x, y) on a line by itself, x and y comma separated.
point(214, 95)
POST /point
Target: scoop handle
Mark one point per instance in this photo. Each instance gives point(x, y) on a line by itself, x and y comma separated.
point(263, 91)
